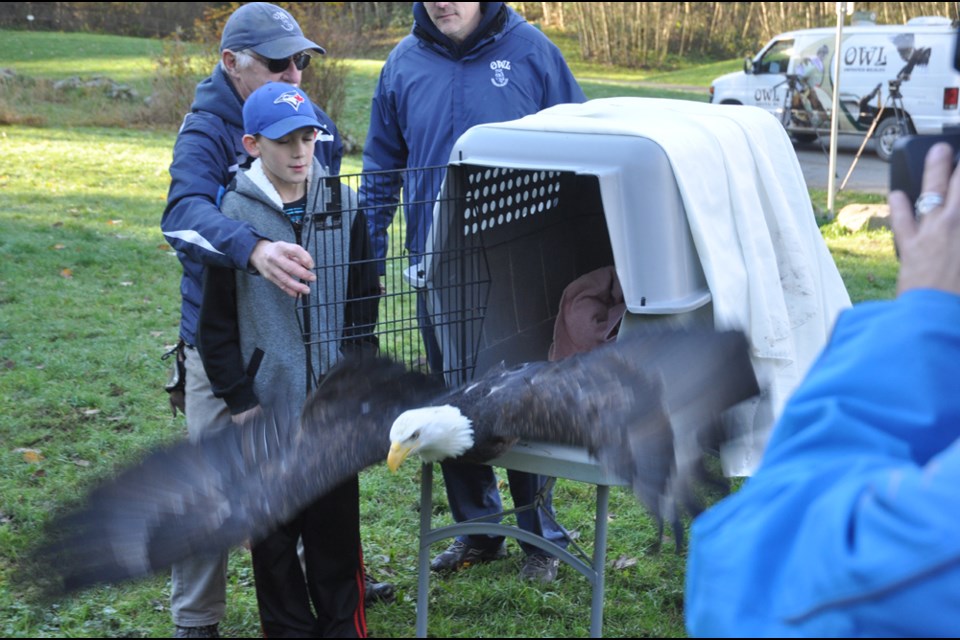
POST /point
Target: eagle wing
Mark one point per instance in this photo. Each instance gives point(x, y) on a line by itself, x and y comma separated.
point(236, 485)
point(646, 407)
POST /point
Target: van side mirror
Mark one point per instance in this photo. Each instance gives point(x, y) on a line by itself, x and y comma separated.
point(748, 65)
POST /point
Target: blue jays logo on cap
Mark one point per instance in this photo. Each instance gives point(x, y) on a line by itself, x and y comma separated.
point(276, 109)
point(292, 98)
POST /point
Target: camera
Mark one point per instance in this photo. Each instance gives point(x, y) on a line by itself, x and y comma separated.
point(906, 163)
point(909, 152)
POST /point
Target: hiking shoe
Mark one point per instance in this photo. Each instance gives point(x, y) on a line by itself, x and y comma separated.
point(375, 592)
point(208, 631)
point(460, 555)
point(539, 567)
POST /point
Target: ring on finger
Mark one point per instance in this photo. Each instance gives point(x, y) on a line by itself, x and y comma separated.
point(927, 202)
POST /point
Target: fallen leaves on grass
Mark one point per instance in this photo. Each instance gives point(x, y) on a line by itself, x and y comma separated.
point(30, 456)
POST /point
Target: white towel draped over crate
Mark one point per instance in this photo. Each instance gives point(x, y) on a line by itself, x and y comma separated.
point(767, 267)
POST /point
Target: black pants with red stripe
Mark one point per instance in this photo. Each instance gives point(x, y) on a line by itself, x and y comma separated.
point(330, 528)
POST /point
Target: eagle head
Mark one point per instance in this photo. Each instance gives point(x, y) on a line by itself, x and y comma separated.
point(435, 433)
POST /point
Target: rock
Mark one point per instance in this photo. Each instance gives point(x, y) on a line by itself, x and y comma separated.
point(114, 90)
point(857, 217)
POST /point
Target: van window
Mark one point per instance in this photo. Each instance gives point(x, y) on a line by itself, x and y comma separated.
point(776, 58)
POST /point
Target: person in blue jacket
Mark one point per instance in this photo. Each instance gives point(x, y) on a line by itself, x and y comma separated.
point(849, 527)
point(464, 64)
point(260, 43)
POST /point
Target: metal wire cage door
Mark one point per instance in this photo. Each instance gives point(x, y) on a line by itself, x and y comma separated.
point(429, 301)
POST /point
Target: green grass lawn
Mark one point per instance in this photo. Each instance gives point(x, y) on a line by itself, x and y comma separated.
point(55, 55)
point(89, 302)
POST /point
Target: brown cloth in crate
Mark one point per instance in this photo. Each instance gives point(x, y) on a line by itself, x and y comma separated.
point(590, 312)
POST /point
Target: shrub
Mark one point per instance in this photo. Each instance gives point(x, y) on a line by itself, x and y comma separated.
point(179, 67)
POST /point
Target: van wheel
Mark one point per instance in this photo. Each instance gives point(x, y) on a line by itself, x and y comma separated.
point(887, 134)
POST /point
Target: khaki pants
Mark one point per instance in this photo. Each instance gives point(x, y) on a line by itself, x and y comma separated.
point(199, 585)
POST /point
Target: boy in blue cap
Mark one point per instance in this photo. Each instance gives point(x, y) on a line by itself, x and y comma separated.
point(260, 43)
point(251, 343)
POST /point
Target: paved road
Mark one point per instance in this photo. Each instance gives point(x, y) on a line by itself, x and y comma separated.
point(870, 175)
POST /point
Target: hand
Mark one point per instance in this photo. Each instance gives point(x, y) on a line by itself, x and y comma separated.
point(284, 264)
point(930, 246)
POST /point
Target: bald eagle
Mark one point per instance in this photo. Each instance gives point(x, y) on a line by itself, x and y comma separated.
point(635, 404)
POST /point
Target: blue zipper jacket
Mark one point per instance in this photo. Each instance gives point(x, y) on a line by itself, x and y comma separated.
point(206, 155)
point(851, 526)
point(431, 91)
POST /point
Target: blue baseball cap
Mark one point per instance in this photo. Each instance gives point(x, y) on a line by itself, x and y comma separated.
point(276, 109)
point(267, 29)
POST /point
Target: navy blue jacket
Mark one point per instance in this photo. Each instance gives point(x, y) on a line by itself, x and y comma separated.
point(207, 153)
point(431, 91)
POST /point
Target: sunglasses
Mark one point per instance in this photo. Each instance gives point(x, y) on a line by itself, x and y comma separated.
point(300, 60)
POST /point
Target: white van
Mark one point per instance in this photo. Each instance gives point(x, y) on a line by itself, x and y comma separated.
point(883, 70)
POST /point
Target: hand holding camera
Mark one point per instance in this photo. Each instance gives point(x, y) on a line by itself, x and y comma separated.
point(927, 228)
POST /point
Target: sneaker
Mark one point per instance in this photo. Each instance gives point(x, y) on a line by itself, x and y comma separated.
point(375, 592)
point(460, 555)
point(540, 568)
point(208, 631)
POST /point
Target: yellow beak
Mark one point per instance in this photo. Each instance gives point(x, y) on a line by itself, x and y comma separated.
point(398, 453)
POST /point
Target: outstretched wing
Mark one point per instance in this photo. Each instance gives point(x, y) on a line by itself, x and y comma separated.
point(238, 484)
point(643, 406)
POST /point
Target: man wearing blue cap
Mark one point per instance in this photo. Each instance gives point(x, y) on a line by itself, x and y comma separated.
point(260, 43)
point(251, 344)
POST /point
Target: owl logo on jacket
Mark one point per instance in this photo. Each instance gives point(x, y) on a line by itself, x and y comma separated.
point(499, 67)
